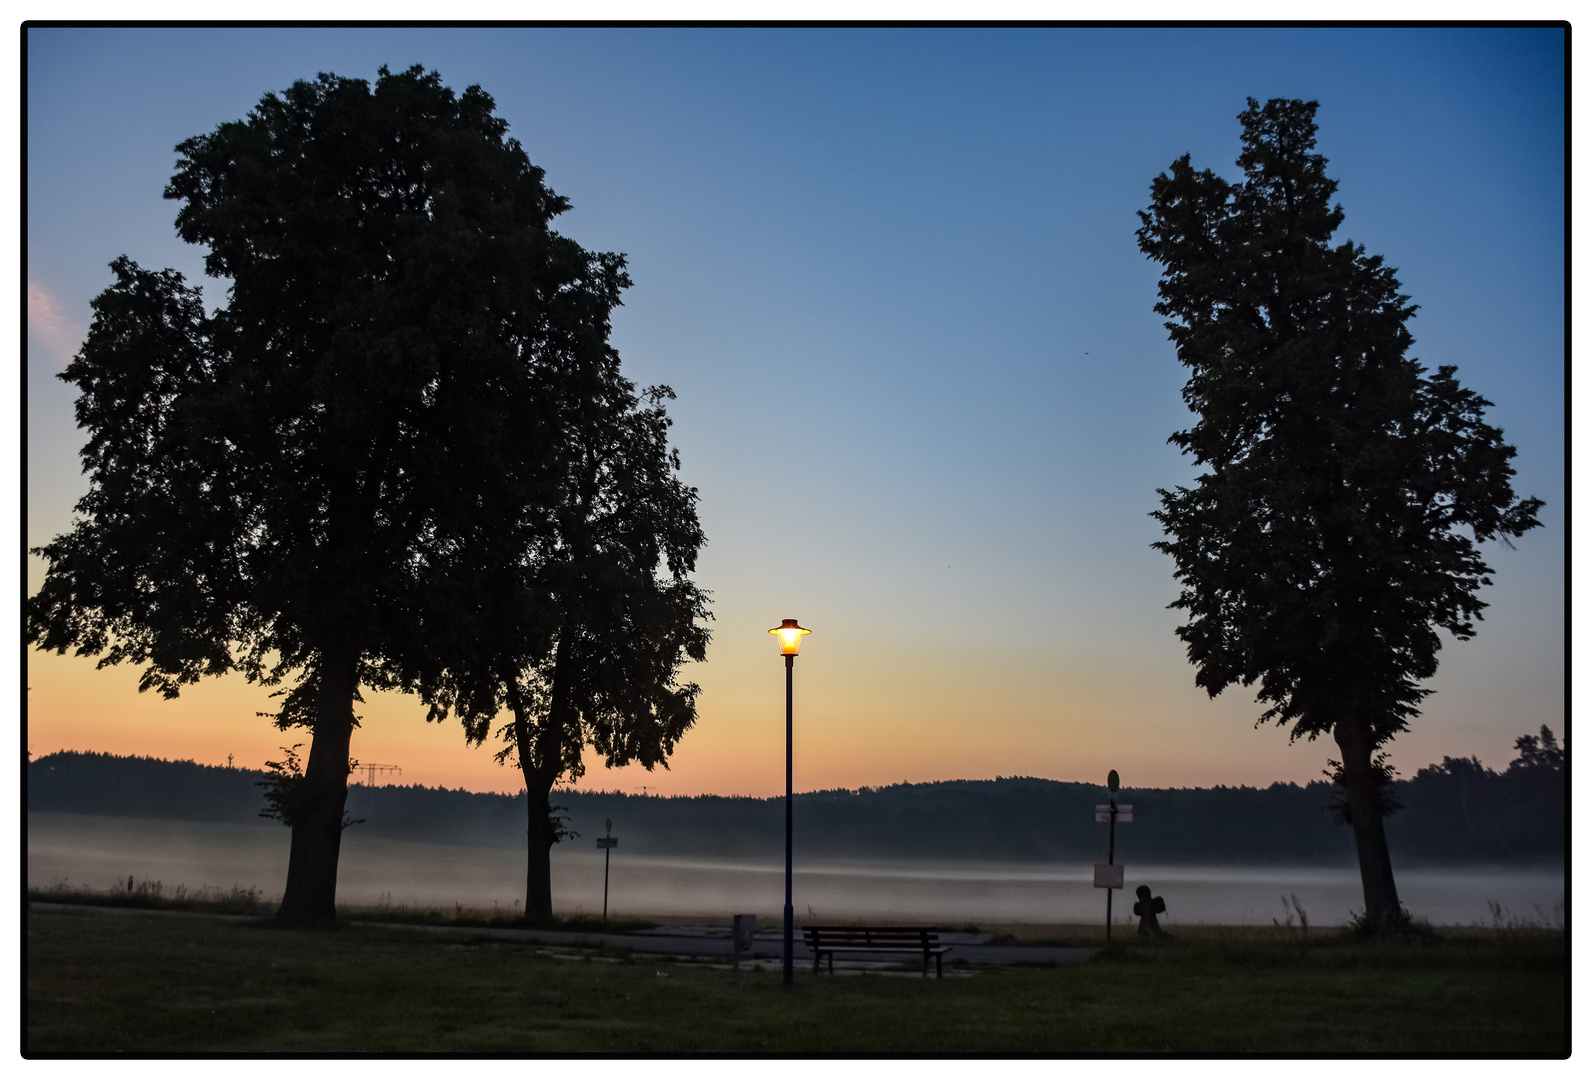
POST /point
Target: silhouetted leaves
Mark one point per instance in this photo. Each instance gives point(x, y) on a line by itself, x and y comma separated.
point(1324, 546)
point(285, 792)
point(365, 449)
point(1538, 752)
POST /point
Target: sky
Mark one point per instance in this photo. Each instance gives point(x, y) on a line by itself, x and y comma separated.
point(892, 277)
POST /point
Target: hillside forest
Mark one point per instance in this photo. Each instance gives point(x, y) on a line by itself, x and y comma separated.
point(1454, 812)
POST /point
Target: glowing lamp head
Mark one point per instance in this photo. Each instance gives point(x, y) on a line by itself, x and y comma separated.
point(790, 637)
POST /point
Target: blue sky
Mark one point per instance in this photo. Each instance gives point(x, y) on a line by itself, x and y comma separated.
point(891, 275)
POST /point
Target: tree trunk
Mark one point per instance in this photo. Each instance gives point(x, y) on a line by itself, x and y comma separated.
point(1361, 789)
point(311, 893)
point(541, 753)
point(539, 841)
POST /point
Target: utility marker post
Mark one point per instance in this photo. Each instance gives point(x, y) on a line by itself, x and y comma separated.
point(607, 842)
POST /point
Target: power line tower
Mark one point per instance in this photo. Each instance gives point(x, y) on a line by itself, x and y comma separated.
point(372, 768)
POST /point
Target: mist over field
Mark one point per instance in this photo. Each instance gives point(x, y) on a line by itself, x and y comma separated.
point(97, 851)
point(988, 851)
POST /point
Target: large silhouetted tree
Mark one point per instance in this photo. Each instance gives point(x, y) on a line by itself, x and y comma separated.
point(1321, 550)
point(274, 487)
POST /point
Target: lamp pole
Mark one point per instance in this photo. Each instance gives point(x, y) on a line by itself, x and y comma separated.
point(790, 635)
point(788, 950)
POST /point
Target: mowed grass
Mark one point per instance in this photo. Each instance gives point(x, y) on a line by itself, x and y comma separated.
point(103, 982)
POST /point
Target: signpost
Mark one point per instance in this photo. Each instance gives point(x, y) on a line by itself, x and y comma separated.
point(607, 843)
point(1108, 875)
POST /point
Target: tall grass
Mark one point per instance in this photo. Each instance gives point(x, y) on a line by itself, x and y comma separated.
point(237, 900)
point(241, 900)
point(1510, 928)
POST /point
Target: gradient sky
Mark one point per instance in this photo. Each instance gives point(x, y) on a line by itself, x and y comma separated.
point(891, 275)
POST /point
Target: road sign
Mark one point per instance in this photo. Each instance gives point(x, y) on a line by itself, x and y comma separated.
point(1108, 875)
point(1103, 812)
point(607, 841)
point(1112, 782)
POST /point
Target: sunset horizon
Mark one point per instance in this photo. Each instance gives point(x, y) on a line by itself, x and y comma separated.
point(979, 403)
point(856, 541)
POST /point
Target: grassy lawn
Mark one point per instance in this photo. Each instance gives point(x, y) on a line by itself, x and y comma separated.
point(102, 982)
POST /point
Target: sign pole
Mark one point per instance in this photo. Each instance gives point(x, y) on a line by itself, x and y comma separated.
point(608, 841)
point(1111, 843)
point(1111, 858)
point(1108, 875)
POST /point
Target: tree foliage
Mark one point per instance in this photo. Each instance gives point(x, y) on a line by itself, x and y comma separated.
point(281, 473)
point(288, 487)
point(1540, 752)
point(1326, 542)
point(580, 637)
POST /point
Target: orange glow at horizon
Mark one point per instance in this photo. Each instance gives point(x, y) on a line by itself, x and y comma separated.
point(867, 714)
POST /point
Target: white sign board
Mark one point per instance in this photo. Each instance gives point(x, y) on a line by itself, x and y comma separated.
point(607, 841)
point(1108, 875)
point(1103, 812)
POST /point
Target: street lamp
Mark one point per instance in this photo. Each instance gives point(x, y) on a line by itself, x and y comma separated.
point(790, 643)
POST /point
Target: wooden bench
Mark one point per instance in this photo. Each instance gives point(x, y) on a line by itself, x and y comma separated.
point(828, 940)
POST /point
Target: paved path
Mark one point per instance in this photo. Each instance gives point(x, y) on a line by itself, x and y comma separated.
point(765, 944)
point(704, 942)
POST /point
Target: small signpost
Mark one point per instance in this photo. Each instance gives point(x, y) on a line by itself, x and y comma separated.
point(1108, 875)
point(608, 843)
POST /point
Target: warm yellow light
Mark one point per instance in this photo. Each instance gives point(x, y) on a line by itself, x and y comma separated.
point(790, 637)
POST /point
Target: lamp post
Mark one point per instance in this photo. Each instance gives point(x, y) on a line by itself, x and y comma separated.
point(790, 643)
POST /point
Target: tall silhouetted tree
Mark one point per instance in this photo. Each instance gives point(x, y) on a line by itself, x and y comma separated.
point(274, 487)
point(1321, 549)
point(581, 637)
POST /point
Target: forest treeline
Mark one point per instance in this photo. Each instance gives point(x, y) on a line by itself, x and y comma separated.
point(1455, 812)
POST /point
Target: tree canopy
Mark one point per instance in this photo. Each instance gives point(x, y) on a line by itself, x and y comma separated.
point(1326, 543)
point(581, 636)
point(278, 488)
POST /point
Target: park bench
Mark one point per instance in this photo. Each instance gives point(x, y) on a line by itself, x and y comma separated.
point(828, 940)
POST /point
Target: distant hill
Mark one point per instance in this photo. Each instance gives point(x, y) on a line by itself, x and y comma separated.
point(1458, 812)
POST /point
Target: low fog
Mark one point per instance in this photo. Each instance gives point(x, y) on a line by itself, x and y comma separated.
point(96, 851)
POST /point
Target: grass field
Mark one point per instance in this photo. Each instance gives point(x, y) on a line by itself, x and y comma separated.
point(102, 982)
